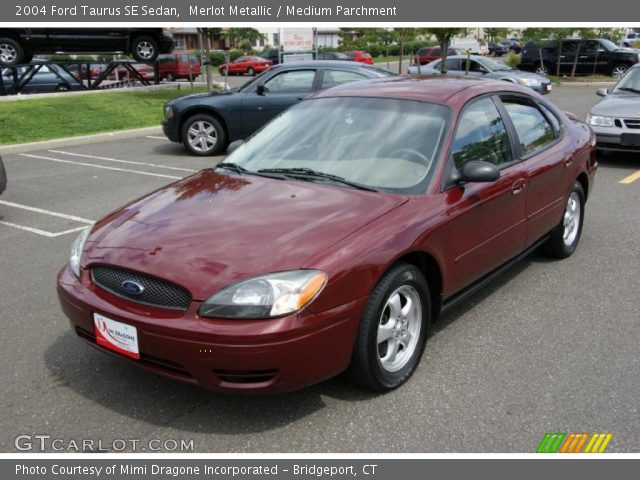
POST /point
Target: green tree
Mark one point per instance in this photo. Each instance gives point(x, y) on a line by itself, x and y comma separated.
point(494, 34)
point(444, 37)
point(239, 36)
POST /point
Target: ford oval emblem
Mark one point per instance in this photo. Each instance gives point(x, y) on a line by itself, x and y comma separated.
point(132, 288)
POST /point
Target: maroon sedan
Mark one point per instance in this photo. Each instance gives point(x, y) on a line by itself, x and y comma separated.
point(245, 65)
point(312, 250)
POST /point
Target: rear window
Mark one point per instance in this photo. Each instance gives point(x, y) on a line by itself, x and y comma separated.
point(366, 55)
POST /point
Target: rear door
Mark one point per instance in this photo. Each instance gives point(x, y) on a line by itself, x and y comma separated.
point(538, 135)
point(487, 221)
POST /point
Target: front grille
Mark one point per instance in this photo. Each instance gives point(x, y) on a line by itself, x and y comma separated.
point(632, 123)
point(156, 293)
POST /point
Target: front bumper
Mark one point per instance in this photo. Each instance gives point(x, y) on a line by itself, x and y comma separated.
point(171, 129)
point(258, 356)
point(617, 139)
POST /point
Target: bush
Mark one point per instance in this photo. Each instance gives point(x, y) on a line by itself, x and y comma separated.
point(216, 58)
point(512, 59)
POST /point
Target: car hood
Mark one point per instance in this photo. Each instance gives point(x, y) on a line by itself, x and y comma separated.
point(197, 97)
point(213, 229)
point(618, 105)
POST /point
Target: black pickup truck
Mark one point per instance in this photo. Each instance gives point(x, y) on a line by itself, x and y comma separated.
point(19, 45)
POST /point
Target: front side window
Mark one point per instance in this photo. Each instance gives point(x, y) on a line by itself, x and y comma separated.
point(532, 127)
point(298, 81)
point(481, 136)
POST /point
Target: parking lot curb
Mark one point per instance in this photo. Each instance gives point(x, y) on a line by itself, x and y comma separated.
point(80, 140)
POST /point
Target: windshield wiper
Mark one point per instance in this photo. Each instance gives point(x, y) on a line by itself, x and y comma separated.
point(310, 174)
point(234, 167)
point(628, 89)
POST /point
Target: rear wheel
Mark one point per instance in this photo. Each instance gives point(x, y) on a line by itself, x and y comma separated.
point(144, 49)
point(63, 87)
point(169, 77)
point(619, 70)
point(393, 330)
point(565, 237)
point(203, 134)
point(251, 72)
point(11, 53)
point(543, 69)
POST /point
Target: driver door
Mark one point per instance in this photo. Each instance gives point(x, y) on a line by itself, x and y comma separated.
point(487, 221)
point(281, 91)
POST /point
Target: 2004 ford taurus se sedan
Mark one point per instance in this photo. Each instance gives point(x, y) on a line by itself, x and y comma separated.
point(312, 250)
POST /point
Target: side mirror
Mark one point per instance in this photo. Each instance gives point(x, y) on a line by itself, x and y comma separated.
point(261, 89)
point(479, 171)
point(234, 146)
point(602, 92)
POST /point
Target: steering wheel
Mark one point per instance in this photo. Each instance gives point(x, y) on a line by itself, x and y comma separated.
point(485, 153)
point(411, 155)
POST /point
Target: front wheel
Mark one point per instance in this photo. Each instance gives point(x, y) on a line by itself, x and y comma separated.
point(203, 135)
point(251, 72)
point(542, 69)
point(565, 237)
point(393, 330)
point(144, 49)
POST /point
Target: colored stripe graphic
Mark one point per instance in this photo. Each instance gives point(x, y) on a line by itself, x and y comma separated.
point(554, 442)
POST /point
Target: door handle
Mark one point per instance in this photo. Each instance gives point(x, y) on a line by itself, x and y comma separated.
point(518, 187)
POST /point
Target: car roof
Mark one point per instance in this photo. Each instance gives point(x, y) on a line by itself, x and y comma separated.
point(432, 89)
point(323, 63)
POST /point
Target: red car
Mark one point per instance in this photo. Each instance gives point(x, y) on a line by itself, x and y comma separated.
point(311, 250)
point(359, 56)
point(429, 54)
point(245, 65)
point(178, 65)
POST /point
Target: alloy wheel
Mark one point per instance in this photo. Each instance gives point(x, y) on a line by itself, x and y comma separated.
point(399, 328)
point(8, 53)
point(202, 136)
point(571, 219)
point(145, 50)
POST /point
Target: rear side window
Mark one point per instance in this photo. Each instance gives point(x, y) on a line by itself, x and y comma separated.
point(336, 77)
point(532, 127)
point(452, 64)
point(481, 135)
point(436, 52)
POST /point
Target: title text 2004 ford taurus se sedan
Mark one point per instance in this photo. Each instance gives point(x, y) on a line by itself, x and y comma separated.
point(312, 250)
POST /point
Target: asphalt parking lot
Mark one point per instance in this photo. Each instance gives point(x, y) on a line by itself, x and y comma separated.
point(549, 347)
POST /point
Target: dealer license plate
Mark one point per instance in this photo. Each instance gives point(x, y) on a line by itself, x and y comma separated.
point(116, 336)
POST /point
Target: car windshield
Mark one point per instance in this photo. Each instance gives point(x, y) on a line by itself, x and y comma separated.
point(493, 66)
point(608, 44)
point(381, 144)
point(629, 83)
point(250, 84)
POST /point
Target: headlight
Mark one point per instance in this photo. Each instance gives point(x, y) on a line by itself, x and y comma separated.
point(598, 121)
point(76, 251)
point(527, 81)
point(266, 296)
point(168, 112)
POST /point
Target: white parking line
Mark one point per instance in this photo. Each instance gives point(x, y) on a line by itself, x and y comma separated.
point(37, 231)
point(47, 212)
point(123, 161)
point(102, 167)
point(157, 138)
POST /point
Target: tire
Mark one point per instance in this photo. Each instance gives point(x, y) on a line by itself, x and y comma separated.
point(565, 237)
point(373, 365)
point(619, 70)
point(144, 49)
point(543, 69)
point(62, 88)
point(11, 52)
point(169, 77)
point(203, 134)
point(251, 72)
point(223, 72)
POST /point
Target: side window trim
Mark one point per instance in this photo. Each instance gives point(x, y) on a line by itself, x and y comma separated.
point(450, 162)
point(507, 119)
